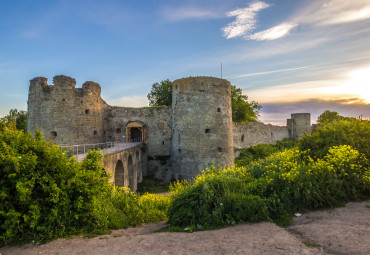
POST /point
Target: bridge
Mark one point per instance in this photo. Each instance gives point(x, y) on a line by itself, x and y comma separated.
point(123, 162)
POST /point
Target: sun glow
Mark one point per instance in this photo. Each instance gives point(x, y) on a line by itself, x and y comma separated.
point(356, 85)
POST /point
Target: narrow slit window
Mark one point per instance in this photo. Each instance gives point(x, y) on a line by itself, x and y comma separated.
point(208, 131)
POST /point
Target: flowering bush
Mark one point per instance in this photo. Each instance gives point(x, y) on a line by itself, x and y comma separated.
point(273, 188)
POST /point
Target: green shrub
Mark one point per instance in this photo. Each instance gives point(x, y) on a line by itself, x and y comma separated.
point(273, 188)
point(45, 194)
point(263, 150)
point(345, 131)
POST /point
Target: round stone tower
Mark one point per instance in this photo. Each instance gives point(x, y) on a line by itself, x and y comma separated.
point(201, 125)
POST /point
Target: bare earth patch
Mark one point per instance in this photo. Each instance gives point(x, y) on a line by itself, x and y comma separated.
point(344, 230)
point(341, 231)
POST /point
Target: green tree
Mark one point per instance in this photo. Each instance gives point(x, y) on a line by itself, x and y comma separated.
point(345, 131)
point(242, 110)
point(16, 118)
point(328, 116)
point(161, 94)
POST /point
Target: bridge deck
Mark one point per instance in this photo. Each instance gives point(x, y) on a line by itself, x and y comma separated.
point(80, 151)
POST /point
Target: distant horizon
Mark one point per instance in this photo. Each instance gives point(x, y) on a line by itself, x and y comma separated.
point(289, 56)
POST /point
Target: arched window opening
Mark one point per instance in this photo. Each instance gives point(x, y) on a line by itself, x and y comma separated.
point(119, 176)
point(131, 174)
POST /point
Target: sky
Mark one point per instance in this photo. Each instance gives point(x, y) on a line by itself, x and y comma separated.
point(290, 56)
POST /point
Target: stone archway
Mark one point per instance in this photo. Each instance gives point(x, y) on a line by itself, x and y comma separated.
point(135, 132)
point(119, 175)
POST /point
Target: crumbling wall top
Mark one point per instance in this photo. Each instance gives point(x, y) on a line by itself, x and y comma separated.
point(91, 86)
point(62, 80)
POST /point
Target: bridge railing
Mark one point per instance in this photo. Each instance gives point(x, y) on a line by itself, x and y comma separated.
point(106, 148)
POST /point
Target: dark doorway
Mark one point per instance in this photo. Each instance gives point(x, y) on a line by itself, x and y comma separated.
point(136, 134)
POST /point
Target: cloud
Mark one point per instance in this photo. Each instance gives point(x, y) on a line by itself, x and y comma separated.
point(274, 32)
point(268, 72)
point(316, 13)
point(334, 12)
point(278, 112)
point(245, 20)
point(129, 101)
point(184, 13)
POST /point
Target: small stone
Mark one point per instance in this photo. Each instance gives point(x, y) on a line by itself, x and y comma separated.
point(298, 215)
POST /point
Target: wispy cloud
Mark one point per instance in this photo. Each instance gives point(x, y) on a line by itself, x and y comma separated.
point(245, 20)
point(174, 14)
point(268, 72)
point(316, 13)
point(129, 101)
point(333, 12)
point(274, 32)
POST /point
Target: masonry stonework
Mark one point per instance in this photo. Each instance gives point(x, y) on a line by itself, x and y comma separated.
point(201, 125)
point(178, 141)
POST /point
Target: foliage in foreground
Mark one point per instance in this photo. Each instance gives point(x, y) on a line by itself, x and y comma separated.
point(271, 189)
point(337, 131)
point(261, 151)
point(44, 194)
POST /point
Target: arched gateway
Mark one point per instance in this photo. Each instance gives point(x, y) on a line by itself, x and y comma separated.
point(136, 131)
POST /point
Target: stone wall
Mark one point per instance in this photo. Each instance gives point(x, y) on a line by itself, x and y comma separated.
point(157, 124)
point(254, 133)
point(298, 124)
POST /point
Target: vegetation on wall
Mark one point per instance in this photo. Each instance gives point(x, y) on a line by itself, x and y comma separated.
point(16, 118)
point(45, 194)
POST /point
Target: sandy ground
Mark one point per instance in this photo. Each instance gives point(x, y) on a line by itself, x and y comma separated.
point(341, 231)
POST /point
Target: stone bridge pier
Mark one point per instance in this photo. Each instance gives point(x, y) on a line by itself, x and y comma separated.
point(125, 168)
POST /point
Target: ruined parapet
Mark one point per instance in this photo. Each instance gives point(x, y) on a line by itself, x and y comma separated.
point(201, 125)
point(298, 124)
point(65, 114)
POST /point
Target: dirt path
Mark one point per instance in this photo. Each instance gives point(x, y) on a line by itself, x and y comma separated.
point(341, 231)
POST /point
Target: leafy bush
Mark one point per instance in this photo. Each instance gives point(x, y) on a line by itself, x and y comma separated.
point(263, 150)
point(346, 131)
point(45, 194)
point(274, 188)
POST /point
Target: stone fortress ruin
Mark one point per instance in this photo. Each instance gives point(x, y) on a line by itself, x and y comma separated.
point(178, 141)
